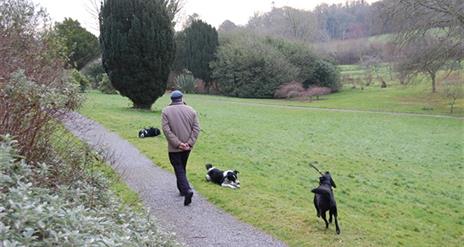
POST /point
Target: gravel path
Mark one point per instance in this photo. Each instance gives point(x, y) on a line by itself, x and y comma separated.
point(200, 224)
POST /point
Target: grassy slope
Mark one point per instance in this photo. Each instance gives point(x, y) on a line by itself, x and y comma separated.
point(412, 98)
point(63, 140)
point(399, 177)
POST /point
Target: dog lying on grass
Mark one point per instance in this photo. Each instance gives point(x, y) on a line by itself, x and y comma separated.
point(149, 132)
point(227, 178)
point(324, 200)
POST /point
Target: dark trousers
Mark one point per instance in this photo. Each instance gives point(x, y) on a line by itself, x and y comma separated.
point(179, 162)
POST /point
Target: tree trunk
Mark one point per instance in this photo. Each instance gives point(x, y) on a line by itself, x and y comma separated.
point(452, 105)
point(390, 69)
point(432, 75)
point(141, 106)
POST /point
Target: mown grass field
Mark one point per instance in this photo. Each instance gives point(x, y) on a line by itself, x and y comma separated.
point(399, 177)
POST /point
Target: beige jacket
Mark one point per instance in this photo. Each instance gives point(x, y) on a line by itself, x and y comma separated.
point(180, 125)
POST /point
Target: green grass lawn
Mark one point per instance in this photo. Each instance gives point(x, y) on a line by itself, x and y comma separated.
point(396, 98)
point(399, 177)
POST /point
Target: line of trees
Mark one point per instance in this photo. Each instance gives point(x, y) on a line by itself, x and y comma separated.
point(140, 49)
point(429, 35)
point(354, 19)
point(242, 64)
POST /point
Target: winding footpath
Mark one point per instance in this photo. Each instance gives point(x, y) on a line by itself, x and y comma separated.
point(200, 224)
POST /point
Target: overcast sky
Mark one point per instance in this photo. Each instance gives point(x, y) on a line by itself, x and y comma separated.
point(213, 12)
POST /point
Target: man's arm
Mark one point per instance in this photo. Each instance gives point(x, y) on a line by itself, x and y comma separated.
point(170, 136)
point(195, 131)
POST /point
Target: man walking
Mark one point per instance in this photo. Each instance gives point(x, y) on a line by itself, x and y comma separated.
point(181, 128)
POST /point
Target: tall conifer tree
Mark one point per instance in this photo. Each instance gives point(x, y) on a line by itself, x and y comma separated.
point(138, 49)
point(197, 48)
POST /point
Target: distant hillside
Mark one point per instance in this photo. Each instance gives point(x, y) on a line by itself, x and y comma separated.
point(352, 20)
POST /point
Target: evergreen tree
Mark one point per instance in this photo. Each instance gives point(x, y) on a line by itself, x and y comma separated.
point(197, 46)
point(81, 45)
point(138, 49)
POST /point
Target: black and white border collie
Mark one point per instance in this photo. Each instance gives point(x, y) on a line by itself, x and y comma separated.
point(224, 178)
point(149, 132)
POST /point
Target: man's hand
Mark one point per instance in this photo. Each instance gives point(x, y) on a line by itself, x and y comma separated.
point(184, 146)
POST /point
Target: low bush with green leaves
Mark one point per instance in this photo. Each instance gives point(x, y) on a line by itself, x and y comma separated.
point(254, 67)
point(80, 79)
point(105, 85)
point(94, 71)
point(186, 82)
point(325, 75)
point(27, 107)
point(79, 214)
point(247, 67)
point(312, 70)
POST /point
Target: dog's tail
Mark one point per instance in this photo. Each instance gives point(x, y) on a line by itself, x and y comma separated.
point(208, 166)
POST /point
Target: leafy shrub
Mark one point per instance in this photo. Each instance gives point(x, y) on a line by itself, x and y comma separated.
point(27, 109)
point(325, 75)
point(106, 86)
point(32, 215)
point(297, 54)
point(94, 71)
point(200, 87)
point(247, 67)
point(186, 82)
point(250, 66)
point(33, 91)
point(316, 92)
point(290, 90)
point(313, 71)
point(296, 90)
point(80, 79)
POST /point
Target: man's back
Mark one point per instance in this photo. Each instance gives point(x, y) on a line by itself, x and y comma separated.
point(180, 125)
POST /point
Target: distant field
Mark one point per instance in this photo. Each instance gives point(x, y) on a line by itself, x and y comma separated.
point(399, 177)
point(414, 98)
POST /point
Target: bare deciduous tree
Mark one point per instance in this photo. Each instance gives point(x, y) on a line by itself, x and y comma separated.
point(430, 34)
point(287, 23)
point(453, 89)
point(372, 65)
point(427, 55)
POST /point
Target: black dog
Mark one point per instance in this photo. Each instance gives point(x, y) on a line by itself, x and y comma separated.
point(224, 178)
point(324, 200)
point(149, 132)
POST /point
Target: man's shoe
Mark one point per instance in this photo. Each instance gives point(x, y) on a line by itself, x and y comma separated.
point(188, 198)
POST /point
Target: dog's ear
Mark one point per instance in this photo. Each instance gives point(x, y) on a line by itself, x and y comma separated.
point(208, 166)
point(236, 172)
point(332, 182)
